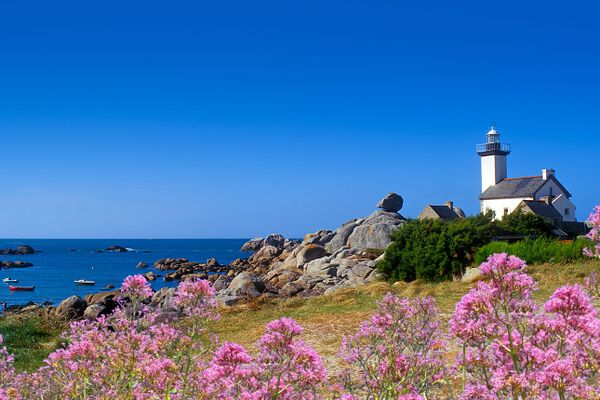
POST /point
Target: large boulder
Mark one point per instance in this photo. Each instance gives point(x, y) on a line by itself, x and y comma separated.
point(252, 244)
point(265, 253)
point(321, 267)
point(341, 236)
point(93, 311)
point(310, 252)
point(71, 307)
point(375, 231)
point(392, 202)
point(246, 284)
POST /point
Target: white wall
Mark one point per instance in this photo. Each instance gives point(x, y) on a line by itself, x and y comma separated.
point(498, 205)
point(561, 203)
point(493, 170)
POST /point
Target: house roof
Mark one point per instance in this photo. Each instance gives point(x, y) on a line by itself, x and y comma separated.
point(445, 212)
point(543, 209)
point(526, 186)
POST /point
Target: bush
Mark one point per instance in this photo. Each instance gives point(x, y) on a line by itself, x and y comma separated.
point(536, 251)
point(434, 250)
point(519, 223)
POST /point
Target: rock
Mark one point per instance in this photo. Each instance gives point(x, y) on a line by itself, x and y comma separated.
point(362, 270)
point(246, 284)
point(71, 307)
point(341, 236)
point(150, 276)
point(117, 249)
point(321, 238)
point(221, 283)
point(141, 264)
point(472, 275)
point(20, 250)
point(321, 267)
point(265, 253)
point(15, 264)
point(374, 232)
point(108, 299)
point(293, 288)
point(252, 244)
point(391, 203)
point(163, 298)
point(94, 311)
point(275, 240)
point(310, 252)
point(25, 249)
point(109, 286)
point(212, 263)
point(229, 300)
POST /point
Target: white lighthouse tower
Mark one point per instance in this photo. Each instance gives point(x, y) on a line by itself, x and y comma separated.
point(493, 159)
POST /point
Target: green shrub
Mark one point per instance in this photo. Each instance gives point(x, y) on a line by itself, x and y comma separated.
point(536, 251)
point(433, 250)
point(519, 223)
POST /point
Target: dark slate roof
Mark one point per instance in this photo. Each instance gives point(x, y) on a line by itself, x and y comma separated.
point(543, 209)
point(525, 186)
point(445, 212)
point(513, 187)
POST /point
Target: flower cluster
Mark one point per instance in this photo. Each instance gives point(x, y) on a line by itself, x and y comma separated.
point(136, 287)
point(594, 233)
point(398, 353)
point(510, 349)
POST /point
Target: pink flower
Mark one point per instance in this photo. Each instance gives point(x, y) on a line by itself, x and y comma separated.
point(136, 287)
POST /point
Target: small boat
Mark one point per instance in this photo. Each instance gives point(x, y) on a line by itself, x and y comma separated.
point(21, 288)
point(84, 282)
point(10, 280)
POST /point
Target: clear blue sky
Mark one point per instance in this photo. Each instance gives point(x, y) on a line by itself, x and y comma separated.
point(241, 118)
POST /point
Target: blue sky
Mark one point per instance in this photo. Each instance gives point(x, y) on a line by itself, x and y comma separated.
point(237, 119)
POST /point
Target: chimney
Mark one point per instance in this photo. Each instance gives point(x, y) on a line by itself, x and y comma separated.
point(546, 173)
point(450, 205)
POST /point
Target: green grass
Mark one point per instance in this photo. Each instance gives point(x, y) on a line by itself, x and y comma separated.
point(537, 251)
point(325, 319)
point(30, 338)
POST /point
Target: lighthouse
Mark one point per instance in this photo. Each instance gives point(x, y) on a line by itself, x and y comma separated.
point(493, 159)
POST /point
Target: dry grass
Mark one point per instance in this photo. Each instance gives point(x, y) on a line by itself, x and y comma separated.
point(327, 319)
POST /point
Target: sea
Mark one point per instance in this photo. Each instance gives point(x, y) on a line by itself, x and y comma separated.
point(59, 262)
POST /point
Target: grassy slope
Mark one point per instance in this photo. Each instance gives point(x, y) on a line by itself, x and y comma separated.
point(325, 319)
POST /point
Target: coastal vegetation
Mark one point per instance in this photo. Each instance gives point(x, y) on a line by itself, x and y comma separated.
point(436, 250)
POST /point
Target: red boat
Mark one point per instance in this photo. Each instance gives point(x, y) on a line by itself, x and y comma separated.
point(21, 288)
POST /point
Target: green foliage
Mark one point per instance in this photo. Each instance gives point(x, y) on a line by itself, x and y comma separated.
point(526, 224)
point(536, 251)
point(433, 250)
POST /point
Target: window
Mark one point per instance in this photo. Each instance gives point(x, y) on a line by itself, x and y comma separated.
point(505, 211)
point(567, 211)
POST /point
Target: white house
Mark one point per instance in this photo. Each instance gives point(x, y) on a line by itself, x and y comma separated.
point(503, 195)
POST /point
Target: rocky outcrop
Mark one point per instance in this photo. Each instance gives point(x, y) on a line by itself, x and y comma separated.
point(244, 285)
point(374, 232)
point(71, 308)
point(15, 264)
point(117, 249)
point(141, 264)
point(276, 240)
point(20, 250)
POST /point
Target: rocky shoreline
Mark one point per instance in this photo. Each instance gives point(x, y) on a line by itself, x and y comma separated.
point(320, 263)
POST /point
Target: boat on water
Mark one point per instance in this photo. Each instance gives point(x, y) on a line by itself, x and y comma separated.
point(10, 280)
point(84, 282)
point(21, 288)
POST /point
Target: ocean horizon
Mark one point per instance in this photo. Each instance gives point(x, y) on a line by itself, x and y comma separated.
point(59, 262)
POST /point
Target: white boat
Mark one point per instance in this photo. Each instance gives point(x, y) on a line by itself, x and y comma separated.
point(84, 282)
point(10, 280)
